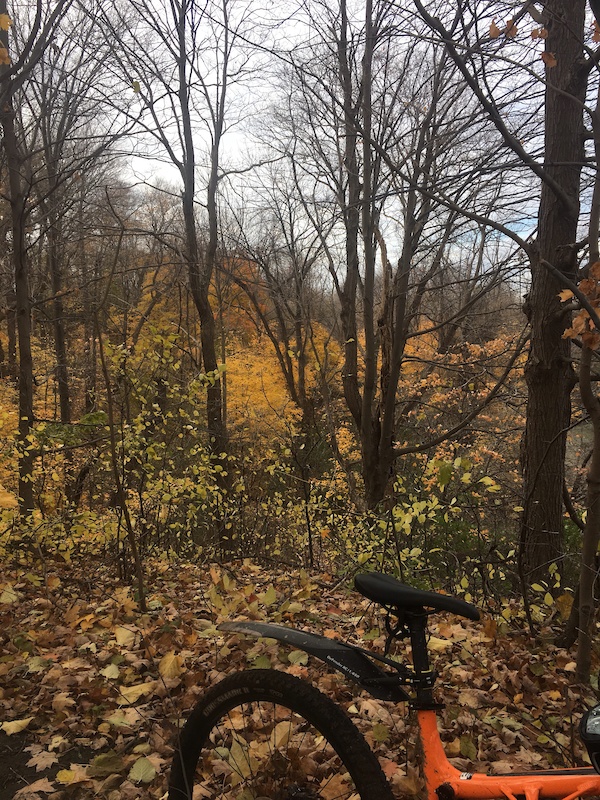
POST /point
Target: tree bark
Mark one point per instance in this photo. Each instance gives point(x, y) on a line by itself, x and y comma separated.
point(548, 373)
point(591, 533)
point(21, 278)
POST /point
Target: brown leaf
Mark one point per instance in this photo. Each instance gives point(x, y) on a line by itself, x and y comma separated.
point(596, 34)
point(61, 701)
point(591, 339)
point(588, 286)
point(594, 270)
point(27, 792)
point(494, 30)
point(511, 29)
point(580, 322)
point(549, 59)
point(42, 761)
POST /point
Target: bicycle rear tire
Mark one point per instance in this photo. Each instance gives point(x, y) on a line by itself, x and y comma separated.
point(264, 733)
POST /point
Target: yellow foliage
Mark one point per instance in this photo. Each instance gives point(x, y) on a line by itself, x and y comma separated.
point(258, 400)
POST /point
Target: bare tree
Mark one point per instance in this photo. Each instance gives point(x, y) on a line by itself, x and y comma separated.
point(549, 374)
point(185, 59)
point(375, 133)
point(15, 68)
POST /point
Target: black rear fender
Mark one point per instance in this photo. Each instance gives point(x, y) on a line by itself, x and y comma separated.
point(350, 661)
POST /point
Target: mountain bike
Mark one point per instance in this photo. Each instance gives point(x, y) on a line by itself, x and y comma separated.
point(267, 734)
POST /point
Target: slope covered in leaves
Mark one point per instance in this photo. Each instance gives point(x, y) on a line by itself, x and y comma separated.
point(92, 691)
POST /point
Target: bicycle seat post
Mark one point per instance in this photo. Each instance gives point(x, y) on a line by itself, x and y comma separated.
point(424, 676)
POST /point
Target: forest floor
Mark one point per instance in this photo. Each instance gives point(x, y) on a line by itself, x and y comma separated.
point(92, 691)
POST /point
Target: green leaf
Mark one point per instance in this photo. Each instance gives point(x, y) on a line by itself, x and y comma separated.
point(261, 662)
point(467, 748)
point(444, 473)
point(269, 597)
point(143, 771)
point(381, 733)
point(298, 657)
point(106, 764)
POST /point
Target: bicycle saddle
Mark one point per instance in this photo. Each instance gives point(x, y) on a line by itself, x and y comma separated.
point(390, 592)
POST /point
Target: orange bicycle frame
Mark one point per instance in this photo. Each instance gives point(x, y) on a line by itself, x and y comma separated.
point(445, 782)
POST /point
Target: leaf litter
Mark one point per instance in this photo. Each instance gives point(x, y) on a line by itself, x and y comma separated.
point(92, 691)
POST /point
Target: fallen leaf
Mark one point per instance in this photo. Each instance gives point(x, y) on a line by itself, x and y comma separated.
point(106, 764)
point(16, 726)
point(142, 771)
point(42, 761)
point(125, 636)
point(31, 791)
point(110, 671)
point(170, 665)
point(129, 694)
point(61, 701)
point(8, 595)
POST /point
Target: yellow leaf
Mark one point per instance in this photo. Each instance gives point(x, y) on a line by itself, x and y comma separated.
point(439, 645)
point(65, 776)
point(124, 636)
point(16, 726)
point(110, 671)
point(5, 22)
point(564, 603)
point(129, 694)
point(8, 595)
point(170, 665)
point(280, 735)
point(565, 295)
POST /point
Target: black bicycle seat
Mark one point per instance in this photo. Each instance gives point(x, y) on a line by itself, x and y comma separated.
point(390, 592)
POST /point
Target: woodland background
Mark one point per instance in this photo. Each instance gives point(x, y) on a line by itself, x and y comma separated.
point(312, 285)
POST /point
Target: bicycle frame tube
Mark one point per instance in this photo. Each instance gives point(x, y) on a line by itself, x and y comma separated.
point(445, 782)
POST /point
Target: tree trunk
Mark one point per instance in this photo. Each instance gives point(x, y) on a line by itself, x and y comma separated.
point(21, 276)
point(591, 533)
point(58, 323)
point(548, 373)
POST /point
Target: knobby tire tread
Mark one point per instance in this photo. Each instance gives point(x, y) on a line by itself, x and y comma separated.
point(290, 692)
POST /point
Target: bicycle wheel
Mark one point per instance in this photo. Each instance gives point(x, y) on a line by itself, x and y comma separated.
point(265, 734)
